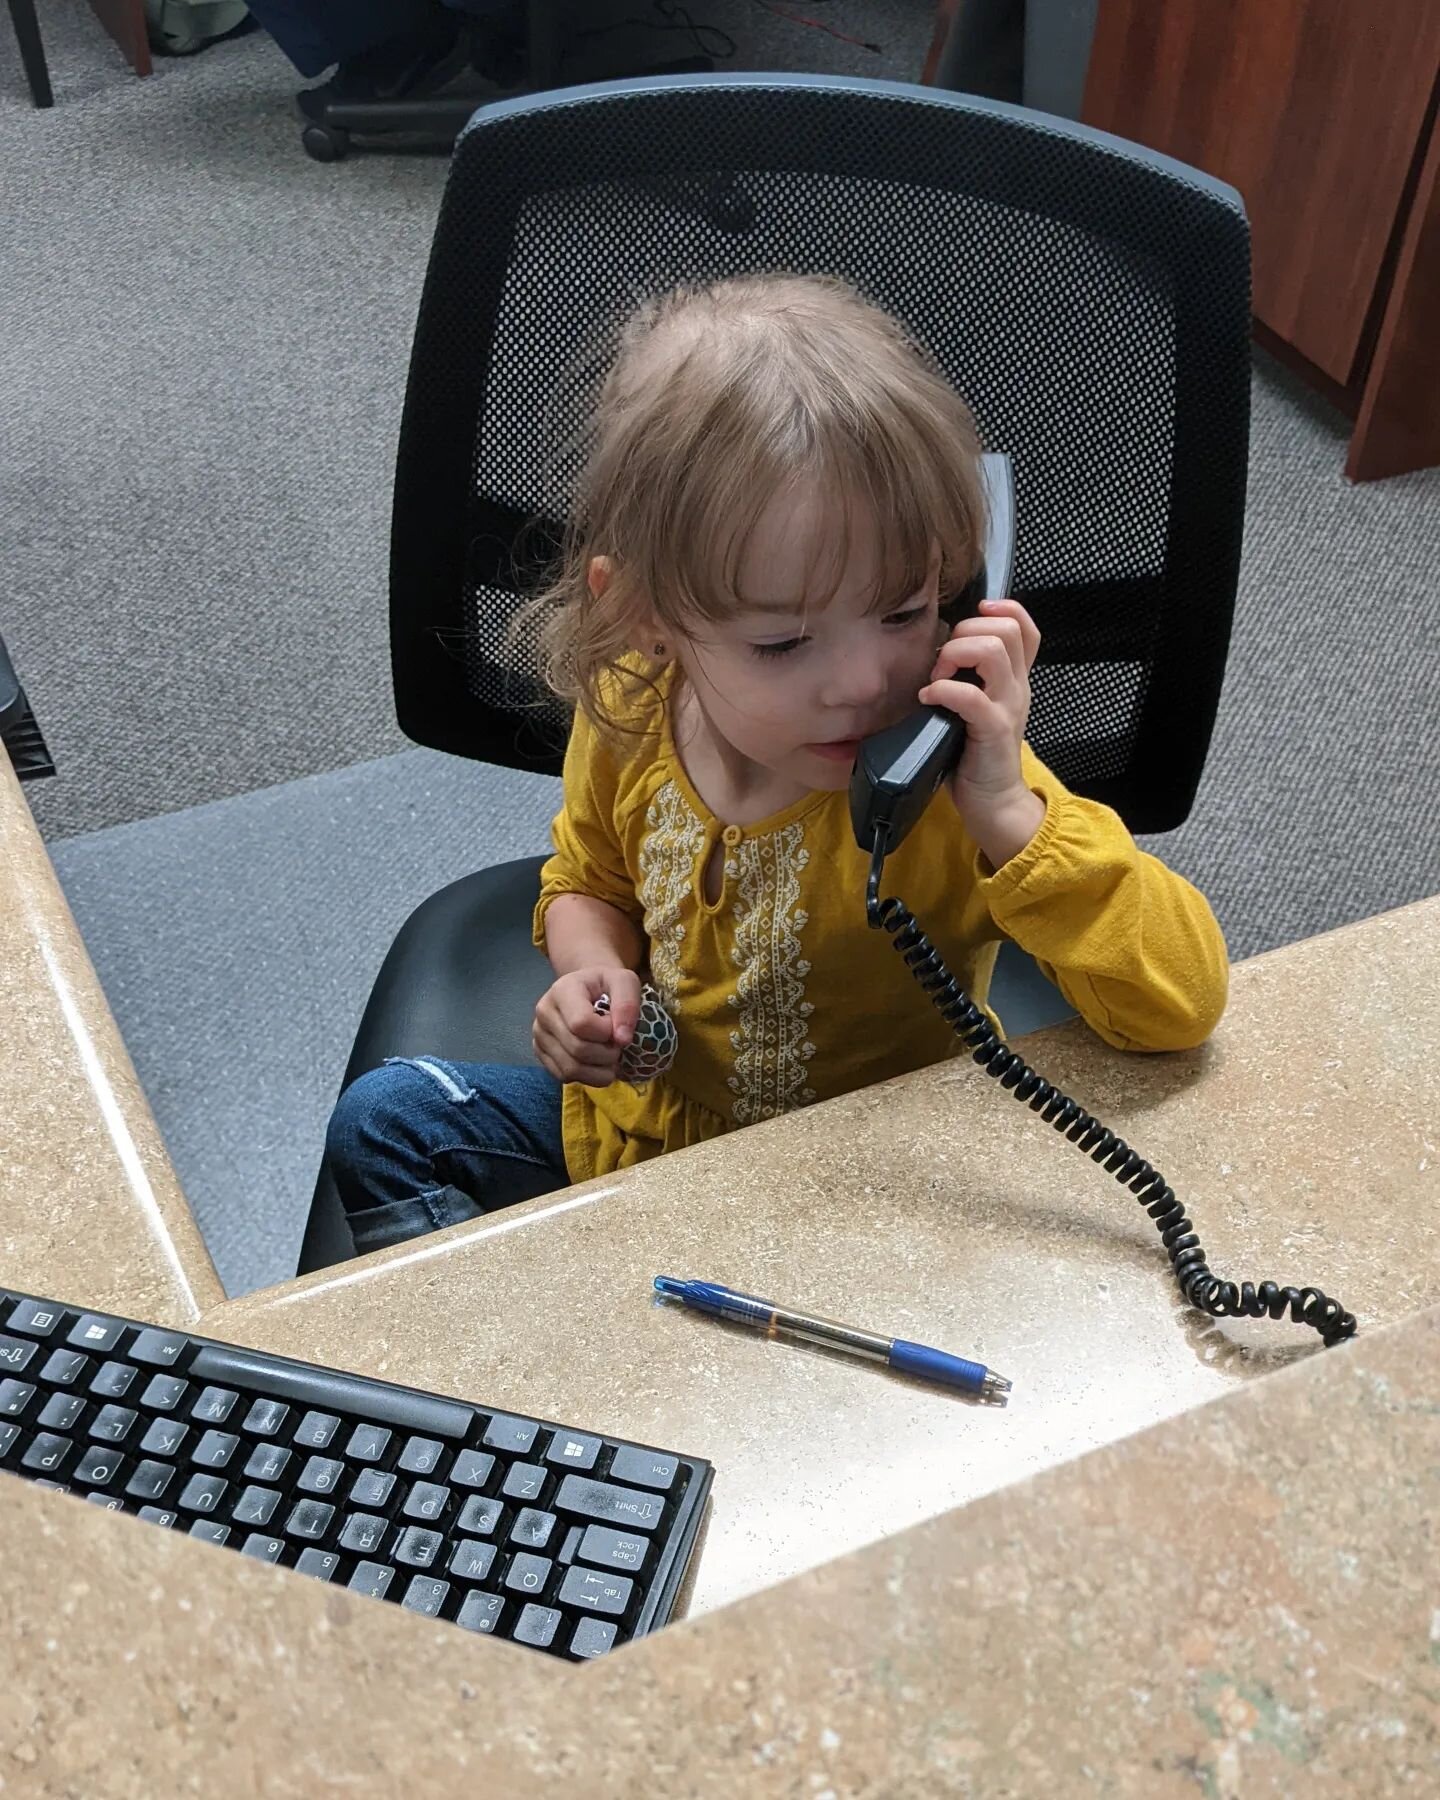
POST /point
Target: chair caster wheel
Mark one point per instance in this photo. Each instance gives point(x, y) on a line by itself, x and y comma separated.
point(326, 143)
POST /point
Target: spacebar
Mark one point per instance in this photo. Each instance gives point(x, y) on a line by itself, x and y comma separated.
point(333, 1391)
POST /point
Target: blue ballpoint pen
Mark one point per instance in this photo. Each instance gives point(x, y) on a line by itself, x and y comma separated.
point(895, 1353)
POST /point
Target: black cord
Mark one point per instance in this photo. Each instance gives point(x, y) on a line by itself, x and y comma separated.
point(1220, 1299)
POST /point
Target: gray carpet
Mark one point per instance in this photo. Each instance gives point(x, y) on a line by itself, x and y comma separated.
point(203, 342)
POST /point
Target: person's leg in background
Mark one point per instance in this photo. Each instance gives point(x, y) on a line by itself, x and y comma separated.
point(421, 1143)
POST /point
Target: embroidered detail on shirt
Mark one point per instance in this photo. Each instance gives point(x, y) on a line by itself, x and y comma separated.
point(771, 1046)
point(668, 853)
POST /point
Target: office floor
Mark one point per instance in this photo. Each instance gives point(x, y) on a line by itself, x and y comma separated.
point(203, 343)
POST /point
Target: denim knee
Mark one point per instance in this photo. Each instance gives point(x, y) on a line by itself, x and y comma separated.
point(376, 1111)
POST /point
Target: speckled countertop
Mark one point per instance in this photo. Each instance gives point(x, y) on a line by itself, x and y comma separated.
point(89, 1204)
point(1187, 1558)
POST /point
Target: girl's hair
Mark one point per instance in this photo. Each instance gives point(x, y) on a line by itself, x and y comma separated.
point(720, 398)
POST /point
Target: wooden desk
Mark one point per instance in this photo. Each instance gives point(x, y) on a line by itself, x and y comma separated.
point(1322, 113)
point(1229, 1597)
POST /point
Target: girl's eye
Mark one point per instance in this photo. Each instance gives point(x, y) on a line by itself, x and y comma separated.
point(908, 617)
point(781, 649)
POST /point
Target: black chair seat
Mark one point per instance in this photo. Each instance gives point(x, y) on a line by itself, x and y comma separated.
point(461, 981)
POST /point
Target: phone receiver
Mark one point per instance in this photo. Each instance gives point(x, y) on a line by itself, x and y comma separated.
point(898, 770)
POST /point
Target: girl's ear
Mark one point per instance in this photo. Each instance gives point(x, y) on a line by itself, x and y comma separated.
point(597, 575)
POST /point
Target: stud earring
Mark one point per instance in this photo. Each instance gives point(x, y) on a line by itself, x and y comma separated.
point(659, 649)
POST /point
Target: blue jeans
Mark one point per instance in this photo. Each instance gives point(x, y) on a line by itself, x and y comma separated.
point(420, 1143)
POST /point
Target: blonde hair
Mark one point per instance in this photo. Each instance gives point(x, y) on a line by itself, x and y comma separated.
point(719, 398)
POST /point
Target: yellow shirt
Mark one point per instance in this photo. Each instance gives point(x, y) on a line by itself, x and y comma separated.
point(781, 992)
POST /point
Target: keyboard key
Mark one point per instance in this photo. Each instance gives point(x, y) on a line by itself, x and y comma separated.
point(114, 1424)
point(371, 1578)
point(417, 1547)
point(266, 1549)
point(368, 1443)
point(91, 1332)
point(150, 1480)
point(426, 1500)
point(322, 1564)
point(310, 1519)
point(613, 1549)
point(256, 1506)
point(112, 1380)
point(203, 1493)
point(215, 1405)
point(99, 1466)
point(364, 1533)
point(528, 1574)
point(36, 1318)
point(608, 1505)
point(157, 1349)
point(513, 1436)
point(15, 1395)
point(157, 1515)
point(470, 1560)
point(372, 1488)
point(472, 1469)
point(211, 1530)
point(111, 1502)
point(644, 1468)
point(61, 1412)
point(533, 1529)
point(571, 1546)
point(266, 1417)
point(268, 1462)
point(213, 1451)
point(320, 1475)
point(163, 1393)
point(573, 1450)
point(47, 1454)
point(16, 1354)
point(480, 1612)
point(526, 1481)
point(588, 1588)
point(538, 1626)
point(64, 1367)
point(164, 1438)
point(425, 1594)
point(315, 1430)
point(593, 1637)
point(421, 1456)
point(479, 1517)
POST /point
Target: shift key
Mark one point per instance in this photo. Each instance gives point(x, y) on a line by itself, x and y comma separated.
point(608, 1505)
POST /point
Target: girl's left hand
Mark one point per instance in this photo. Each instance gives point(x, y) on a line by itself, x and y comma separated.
point(999, 646)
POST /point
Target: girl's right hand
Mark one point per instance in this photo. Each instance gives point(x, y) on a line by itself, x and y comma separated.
point(572, 1040)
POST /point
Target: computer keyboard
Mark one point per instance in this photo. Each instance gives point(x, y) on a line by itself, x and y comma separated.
point(568, 1541)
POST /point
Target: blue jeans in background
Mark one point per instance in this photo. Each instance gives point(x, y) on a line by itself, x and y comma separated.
point(420, 1143)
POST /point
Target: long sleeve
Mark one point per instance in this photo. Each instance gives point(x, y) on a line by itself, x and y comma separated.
point(589, 857)
point(1131, 944)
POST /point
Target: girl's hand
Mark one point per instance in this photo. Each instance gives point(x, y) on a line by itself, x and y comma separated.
point(572, 1040)
point(987, 786)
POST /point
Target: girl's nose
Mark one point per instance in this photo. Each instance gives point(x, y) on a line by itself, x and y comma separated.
point(857, 680)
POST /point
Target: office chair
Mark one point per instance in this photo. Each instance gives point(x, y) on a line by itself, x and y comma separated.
point(1090, 299)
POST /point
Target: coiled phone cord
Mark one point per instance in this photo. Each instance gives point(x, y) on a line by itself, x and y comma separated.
point(1221, 1299)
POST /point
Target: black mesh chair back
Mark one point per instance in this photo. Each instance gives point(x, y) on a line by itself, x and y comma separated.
point(1089, 298)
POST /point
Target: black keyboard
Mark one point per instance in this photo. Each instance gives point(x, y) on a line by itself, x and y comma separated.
point(565, 1540)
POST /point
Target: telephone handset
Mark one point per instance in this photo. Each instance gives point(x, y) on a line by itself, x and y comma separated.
point(896, 774)
point(897, 770)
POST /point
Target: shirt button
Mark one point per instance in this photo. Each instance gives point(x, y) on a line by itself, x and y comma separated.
point(732, 835)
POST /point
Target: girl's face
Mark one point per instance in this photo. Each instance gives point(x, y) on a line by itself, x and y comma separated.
point(793, 688)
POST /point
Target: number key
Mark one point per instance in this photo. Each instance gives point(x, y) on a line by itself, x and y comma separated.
point(537, 1626)
point(481, 1612)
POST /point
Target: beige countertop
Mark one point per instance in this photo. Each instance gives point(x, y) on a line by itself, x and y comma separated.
point(89, 1204)
point(1187, 1558)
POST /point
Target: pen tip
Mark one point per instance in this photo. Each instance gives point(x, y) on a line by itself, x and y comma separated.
point(671, 1285)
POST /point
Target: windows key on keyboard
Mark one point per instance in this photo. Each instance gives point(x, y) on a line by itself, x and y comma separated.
point(500, 1523)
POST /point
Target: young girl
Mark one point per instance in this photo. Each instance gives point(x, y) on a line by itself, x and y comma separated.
point(782, 493)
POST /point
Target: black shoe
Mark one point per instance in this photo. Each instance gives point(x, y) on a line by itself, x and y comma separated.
point(415, 64)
